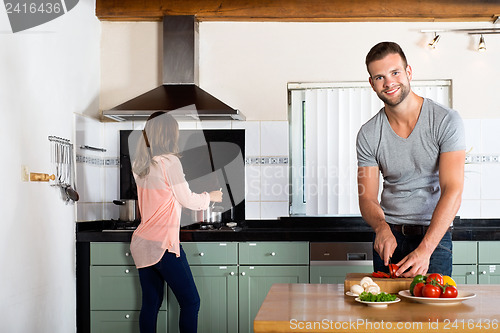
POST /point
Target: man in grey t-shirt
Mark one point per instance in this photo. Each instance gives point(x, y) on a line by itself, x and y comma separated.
point(419, 147)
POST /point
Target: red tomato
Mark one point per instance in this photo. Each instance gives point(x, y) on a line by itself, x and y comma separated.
point(449, 292)
point(435, 276)
point(417, 290)
point(431, 291)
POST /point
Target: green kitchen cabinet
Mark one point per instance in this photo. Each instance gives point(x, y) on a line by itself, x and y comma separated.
point(215, 272)
point(261, 265)
point(115, 292)
point(254, 284)
point(122, 321)
point(465, 262)
point(488, 262)
point(337, 273)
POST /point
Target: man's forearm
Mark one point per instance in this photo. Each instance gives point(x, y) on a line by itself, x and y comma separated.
point(373, 214)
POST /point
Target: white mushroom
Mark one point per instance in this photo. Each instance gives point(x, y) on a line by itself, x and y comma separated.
point(366, 281)
point(373, 288)
point(357, 289)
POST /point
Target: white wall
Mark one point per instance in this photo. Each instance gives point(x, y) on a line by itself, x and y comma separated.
point(48, 74)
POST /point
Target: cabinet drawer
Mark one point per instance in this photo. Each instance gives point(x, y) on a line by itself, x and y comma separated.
point(122, 321)
point(464, 252)
point(488, 252)
point(211, 253)
point(115, 288)
point(274, 253)
point(110, 254)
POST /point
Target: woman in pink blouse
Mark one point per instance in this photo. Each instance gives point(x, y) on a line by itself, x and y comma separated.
point(162, 192)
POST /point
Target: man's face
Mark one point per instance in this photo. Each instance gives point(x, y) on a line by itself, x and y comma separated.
point(390, 79)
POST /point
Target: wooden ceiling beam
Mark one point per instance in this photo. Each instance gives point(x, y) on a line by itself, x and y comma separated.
point(301, 10)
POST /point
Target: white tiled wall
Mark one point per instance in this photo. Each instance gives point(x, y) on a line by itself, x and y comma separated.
point(267, 169)
point(481, 197)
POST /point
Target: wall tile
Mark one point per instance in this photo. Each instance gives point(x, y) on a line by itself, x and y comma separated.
point(470, 209)
point(214, 124)
point(273, 210)
point(112, 183)
point(252, 136)
point(490, 208)
point(274, 138)
point(490, 181)
point(253, 182)
point(252, 210)
point(472, 182)
point(490, 137)
point(274, 183)
point(473, 135)
point(112, 137)
point(89, 211)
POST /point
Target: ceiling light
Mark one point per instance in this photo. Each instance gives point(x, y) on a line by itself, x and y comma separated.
point(434, 41)
point(482, 46)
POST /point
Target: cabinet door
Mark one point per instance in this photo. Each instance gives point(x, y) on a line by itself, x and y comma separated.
point(464, 252)
point(337, 273)
point(254, 284)
point(464, 274)
point(488, 252)
point(488, 274)
point(274, 253)
point(122, 321)
point(110, 253)
point(115, 288)
point(211, 253)
point(218, 290)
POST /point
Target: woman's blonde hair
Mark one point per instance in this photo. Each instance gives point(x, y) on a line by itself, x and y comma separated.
point(159, 137)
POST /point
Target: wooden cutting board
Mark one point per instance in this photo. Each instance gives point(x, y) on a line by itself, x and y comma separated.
point(388, 285)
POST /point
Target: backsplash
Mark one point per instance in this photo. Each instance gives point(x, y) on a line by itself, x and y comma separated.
point(267, 167)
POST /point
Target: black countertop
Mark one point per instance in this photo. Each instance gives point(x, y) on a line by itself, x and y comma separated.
point(313, 229)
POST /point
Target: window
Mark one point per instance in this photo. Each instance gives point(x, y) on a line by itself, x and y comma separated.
point(324, 121)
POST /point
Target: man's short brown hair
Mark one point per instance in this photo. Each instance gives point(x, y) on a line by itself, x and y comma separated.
point(381, 50)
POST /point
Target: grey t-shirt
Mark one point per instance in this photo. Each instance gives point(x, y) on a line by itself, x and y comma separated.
point(410, 167)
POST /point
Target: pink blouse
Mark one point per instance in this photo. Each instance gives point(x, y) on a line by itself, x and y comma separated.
point(161, 196)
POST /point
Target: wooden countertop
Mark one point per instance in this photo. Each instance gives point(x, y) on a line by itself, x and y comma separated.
point(325, 308)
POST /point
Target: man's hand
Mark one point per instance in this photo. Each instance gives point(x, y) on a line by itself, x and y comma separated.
point(385, 244)
point(416, 262)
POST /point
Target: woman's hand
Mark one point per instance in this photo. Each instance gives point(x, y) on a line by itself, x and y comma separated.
point(215, 196)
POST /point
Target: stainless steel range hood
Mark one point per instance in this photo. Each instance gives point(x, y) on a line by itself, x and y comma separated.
point(179, 94)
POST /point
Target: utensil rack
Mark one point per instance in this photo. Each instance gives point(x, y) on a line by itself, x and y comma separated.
point(61, 160)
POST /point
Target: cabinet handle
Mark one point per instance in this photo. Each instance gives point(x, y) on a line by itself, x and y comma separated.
point(127, 271)
point(483, 272)
point(202, 254)
point(127, 316)
point(471, 273)
point(273, 254)
point(127, 254)
point(232, 273)
point(243, 273)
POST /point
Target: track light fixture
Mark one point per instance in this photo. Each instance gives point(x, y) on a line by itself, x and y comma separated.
point(434, 41)
point(482, 45)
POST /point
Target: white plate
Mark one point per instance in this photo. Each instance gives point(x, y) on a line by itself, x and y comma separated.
point(349, 293)
point(462, 296)
point(377, 304)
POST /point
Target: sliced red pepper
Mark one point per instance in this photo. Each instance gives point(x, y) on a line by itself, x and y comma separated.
point(380, 274)
point(393, 268)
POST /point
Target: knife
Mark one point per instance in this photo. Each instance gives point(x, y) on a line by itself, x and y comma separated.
point(391, 273)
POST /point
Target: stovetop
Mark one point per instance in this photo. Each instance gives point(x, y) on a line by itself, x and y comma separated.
point(119, 226)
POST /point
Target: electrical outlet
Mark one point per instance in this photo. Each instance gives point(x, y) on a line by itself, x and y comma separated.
point(25, 175)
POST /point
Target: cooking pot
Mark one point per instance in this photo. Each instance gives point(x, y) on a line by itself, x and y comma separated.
point(129, 209)
point(210, 215)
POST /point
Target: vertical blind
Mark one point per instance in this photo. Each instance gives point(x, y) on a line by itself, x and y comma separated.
point(326, 163)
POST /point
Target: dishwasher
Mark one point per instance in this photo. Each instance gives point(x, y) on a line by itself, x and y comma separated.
point(331, 261)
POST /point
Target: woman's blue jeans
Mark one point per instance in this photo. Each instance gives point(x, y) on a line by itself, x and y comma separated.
point(441, 259)
point(177, 274)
